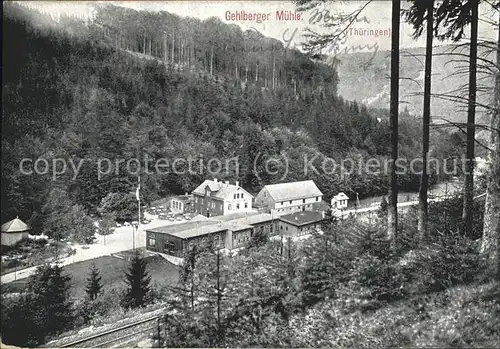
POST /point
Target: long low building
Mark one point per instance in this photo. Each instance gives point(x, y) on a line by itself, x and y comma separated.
point(227, 232)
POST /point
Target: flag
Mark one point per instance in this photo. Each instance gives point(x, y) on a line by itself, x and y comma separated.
point(138, 188)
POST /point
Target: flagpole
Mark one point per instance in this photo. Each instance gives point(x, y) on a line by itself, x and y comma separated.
point(139, 200)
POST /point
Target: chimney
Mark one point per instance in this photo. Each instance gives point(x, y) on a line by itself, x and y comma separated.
point(237, 183)
point(215, 180)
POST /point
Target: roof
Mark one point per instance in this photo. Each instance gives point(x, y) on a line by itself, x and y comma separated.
point(213, 225)
point(220, 190)
point(341, 196)
point(199, 217)
point(205, 229)
point(293, 190)
point(15, 226)
point(303, 218)
point(235, 215)
point(184, 198)
point(173, 229)
point(321, 206)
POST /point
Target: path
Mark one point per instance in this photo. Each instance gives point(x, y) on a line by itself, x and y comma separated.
point(121, 240)
point(441, 189)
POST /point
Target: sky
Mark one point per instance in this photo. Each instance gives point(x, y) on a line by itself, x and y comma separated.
point(376, 16)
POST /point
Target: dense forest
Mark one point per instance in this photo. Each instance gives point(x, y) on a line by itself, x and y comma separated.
point(85, 91)
point(74, 92)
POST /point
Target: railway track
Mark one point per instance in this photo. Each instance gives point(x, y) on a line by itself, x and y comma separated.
point(113, 338)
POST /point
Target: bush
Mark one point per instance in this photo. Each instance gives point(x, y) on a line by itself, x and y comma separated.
point(373, 282)
point(470, 317)
point(446, 217)
point(451, 261)
point(99, 307)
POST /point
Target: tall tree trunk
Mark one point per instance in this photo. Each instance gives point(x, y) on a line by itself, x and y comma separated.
point(212, 61)
point(424, 181)
point(392, 214)
point(490, 246)
point(173, 47)
point(471, 129)
point(165, 56)
point(274, 68)
point(219, 298)
point(180, 51)
point(257, 72)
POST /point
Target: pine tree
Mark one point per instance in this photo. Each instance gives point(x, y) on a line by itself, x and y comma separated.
point(317, 273)
point(94, 285)
point(50, 307)
point(138, 283)
point(382, 211)
point(392, 209)
point(419, 13)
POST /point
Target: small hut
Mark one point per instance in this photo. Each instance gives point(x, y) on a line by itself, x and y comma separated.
point(339, 201)
point(14, 231)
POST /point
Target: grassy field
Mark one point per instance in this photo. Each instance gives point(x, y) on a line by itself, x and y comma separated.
point(112, 269)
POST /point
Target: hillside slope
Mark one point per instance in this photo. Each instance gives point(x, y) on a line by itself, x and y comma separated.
point(366, 80)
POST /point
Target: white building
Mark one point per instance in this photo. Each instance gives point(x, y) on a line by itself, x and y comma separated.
point(284, 198)
point(216, 198)
point(339, 201)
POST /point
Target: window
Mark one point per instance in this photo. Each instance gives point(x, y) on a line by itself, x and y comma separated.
point(303, 201)
point(237, 206)
point(286, 228)
point(246, 204)
point(282, 202)
point(152, 242)
point(281, 227)
point(169, 247)
point(217, 241)
point(290, 201)
point(229, 207)
point(234, 196)
point(317, 198)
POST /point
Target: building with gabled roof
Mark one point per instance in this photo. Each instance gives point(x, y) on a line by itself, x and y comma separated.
point(215, 198)
point(226, 232)
point(339, 201)
point(181, 203)
point(300, 223)
point(289, 197)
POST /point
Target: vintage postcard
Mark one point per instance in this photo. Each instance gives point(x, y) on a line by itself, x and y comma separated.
point(302, 173)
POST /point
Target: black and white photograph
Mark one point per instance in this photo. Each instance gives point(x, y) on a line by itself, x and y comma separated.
point(236, 174)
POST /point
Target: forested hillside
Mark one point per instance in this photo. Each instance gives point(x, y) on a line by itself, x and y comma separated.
point(72, 92)
point(449, 83)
